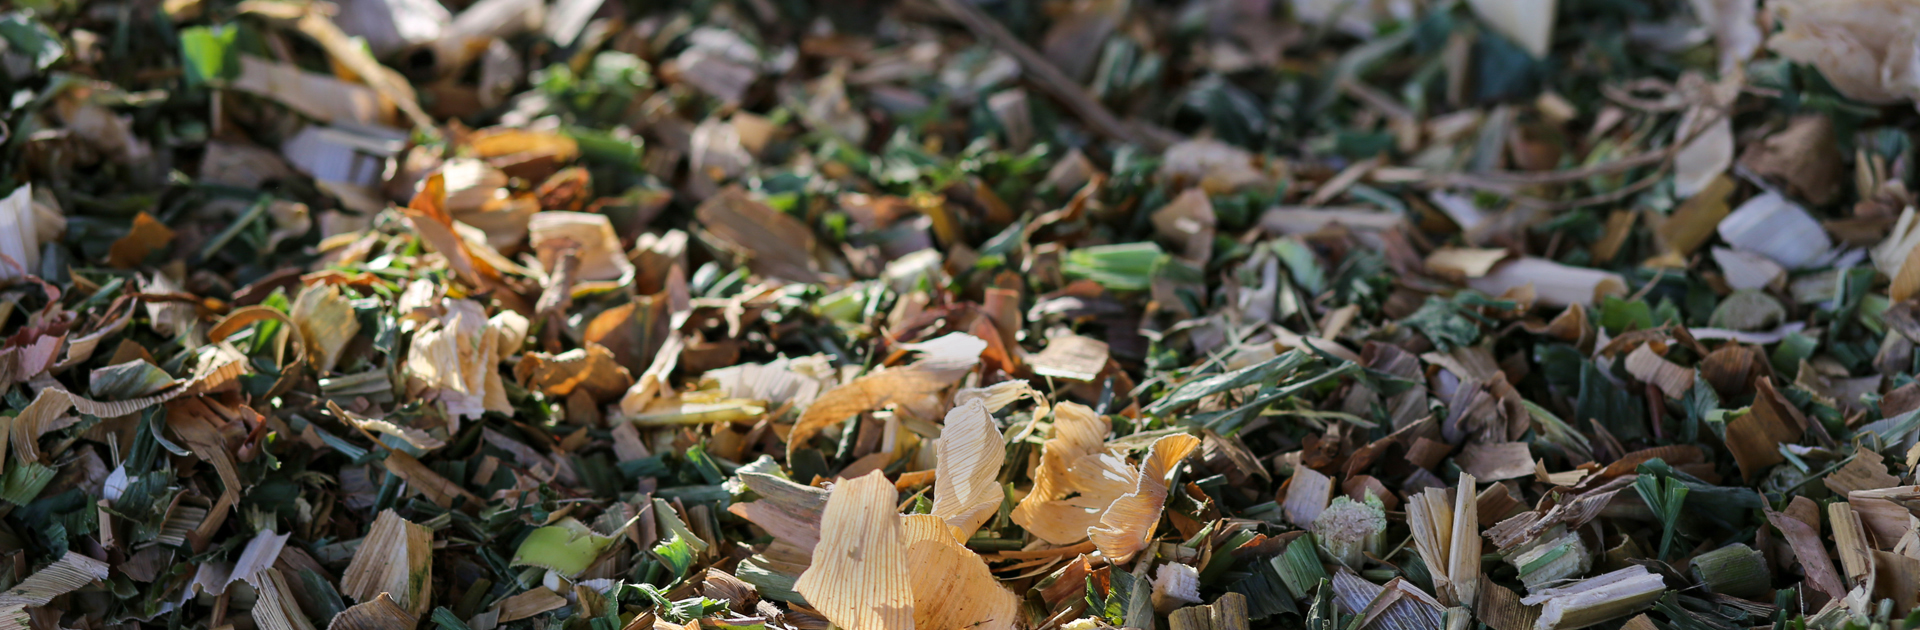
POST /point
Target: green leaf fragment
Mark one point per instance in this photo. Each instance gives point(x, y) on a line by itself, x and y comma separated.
point(567, 548)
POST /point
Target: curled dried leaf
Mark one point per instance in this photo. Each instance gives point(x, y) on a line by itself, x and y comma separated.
point(971, 453)
point(1129, 523)
point(1077, 447)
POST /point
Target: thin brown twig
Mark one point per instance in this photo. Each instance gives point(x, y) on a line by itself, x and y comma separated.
point(1043, 72)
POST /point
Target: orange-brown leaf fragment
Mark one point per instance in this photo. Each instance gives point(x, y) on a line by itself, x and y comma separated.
point(146, 236)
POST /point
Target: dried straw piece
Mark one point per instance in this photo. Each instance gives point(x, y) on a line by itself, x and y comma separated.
point(528, 604)
point(1227, 613)
point(1597, 599)
point(1446, 533)
point(65, 575)
point(970, 456)
point(1129, 523)
point(275, 608)
point(380, 614)
point(1501, 609)
point(396, 558)
point(1308, 492)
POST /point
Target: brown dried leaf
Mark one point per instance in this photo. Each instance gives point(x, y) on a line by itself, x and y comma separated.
point(1811, 551)
point(774, 243)
point(591, 369)
point(145, 237)
point(916, 387)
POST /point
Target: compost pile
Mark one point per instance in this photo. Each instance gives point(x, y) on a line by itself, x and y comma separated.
point(959, 315)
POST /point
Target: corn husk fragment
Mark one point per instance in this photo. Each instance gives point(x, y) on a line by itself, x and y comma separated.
point(789, 511)
point(998, 395)
point(327, 322)
point(456, 356)
point(859, 577)
point(1501, 609)
point(395, 559)
point(968, 492)
point(1805, 156)
point(147, 236)
point(875, 569)
point(274, 607)
point(1398, 604)
point(1594, 600)
point(1899, 256)
point(1129, 523)
point(1553, 284)
point(1446, 533)
point(1772, 226)
point(799, 381)
point(1708, 136)
point(1754, 438)
point(916, 387)
point(591, 370)
point(952, 586)
point(1186, 224)
point(1863, 47)
point(591, 237)
point(1071, 462)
